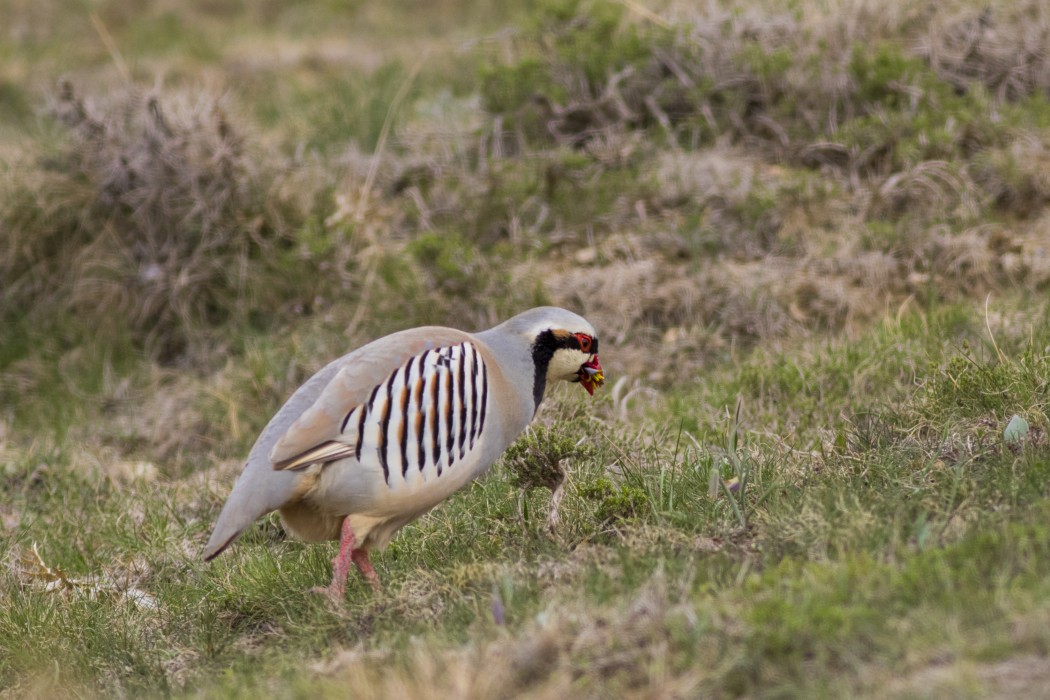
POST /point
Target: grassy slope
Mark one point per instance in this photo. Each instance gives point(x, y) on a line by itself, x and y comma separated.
point(885, 540)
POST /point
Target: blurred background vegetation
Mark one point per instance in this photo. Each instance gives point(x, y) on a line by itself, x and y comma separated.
point(182, 178)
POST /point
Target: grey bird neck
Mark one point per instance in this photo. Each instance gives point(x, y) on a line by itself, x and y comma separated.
point(515, 358)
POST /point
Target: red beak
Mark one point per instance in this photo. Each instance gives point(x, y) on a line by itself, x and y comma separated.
point(591, 376)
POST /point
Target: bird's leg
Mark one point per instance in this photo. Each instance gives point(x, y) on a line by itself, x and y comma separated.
point(341, 563)
point(364, 565)
point(348, 552)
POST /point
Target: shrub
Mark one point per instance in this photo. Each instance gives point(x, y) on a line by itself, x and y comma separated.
point(154, 212)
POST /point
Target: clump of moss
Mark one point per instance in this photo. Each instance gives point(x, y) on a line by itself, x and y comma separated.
point(615, 503)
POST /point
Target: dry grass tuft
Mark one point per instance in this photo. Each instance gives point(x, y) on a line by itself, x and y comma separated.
point(1003, 48)
point(166, 219)
point(175, 176)
point(1015, 176)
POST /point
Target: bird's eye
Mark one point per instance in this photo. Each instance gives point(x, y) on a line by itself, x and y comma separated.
point(585, 341)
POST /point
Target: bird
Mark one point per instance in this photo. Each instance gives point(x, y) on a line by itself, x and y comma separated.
point(380, 436)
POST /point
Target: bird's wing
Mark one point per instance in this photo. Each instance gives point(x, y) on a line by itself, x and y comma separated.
point(309, 428)
point(425, 417)
point(327, 430)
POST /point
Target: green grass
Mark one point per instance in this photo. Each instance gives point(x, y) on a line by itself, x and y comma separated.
point(853, 532)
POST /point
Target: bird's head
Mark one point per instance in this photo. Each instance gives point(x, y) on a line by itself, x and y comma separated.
point(564, 347)
point(575, 357)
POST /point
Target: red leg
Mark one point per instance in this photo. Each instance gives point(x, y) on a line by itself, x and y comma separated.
point(341, 564)
point(364, 565)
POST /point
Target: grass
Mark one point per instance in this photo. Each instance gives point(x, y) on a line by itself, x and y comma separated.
point(925, 522)
point(812, 243)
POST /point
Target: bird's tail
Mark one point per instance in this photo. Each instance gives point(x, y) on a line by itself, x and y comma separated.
point(259, 490)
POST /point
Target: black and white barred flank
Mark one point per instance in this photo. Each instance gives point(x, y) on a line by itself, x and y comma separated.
point(426, 415)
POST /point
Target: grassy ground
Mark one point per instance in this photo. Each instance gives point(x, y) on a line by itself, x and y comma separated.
point(813, 241)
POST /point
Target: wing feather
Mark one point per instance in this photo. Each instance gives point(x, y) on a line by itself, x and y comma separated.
point(327, 452)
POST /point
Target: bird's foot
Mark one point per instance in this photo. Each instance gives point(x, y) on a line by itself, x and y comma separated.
point(332, 592)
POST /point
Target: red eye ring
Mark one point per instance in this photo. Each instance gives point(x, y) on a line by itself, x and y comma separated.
point(585, 341)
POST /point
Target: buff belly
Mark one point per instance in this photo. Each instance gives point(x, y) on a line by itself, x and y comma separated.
point(377, 509)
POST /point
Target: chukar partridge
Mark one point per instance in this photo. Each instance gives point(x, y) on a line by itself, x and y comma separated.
point(383, 434)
